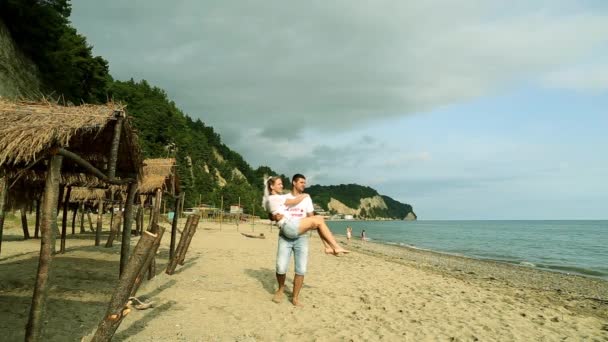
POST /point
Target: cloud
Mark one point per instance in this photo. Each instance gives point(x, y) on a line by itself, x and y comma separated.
point(284, 67)
point(586, 78)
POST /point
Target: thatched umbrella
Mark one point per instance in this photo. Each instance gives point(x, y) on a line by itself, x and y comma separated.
point(160, 176)
point(86, 139)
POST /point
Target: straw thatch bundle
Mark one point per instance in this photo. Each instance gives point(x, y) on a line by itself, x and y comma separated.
point(158, 174)
point(35, 178)
point(80, 194)
point(28, 130)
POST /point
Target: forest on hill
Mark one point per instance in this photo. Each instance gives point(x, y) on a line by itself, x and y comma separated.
point(351, 196)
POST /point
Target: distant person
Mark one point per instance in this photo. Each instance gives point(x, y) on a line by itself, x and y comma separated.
point(363, 235)
point(349, 234)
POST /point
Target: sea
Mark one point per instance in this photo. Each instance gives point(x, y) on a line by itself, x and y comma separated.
point(574, 247)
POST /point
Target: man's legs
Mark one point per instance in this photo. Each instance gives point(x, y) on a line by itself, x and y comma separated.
point(278, 295)
point(300, 258)
point(298, 281)
point(284, 249)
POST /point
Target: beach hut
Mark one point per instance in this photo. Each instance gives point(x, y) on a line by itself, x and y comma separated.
point(45, 138)
point(160, 177)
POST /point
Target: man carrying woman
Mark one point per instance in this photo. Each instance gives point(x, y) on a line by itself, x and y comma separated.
point(295, 216)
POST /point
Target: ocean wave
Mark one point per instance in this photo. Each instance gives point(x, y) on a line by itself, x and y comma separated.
point(526, 263)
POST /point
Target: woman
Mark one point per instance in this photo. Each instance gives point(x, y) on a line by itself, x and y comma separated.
point(276, 204)
point(349, 234)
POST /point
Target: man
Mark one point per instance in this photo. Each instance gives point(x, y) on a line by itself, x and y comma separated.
point(297, 246)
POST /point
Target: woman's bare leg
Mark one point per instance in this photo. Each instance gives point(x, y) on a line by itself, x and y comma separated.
point(318, 223)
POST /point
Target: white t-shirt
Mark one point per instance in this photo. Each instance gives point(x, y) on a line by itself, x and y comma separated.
point(276, 204)
point(301, 209)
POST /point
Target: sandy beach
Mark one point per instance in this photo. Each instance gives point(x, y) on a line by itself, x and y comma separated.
point(377, 292)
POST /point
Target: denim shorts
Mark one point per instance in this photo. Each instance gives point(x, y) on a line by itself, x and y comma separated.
point(290, 228)
point(299, 247)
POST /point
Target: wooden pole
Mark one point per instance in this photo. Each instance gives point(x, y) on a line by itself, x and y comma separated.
point(81, 217)
point(191, 231)
point(115, 145)
point(221, 212)
point(149, 259)
point(126, 230)
point(252, 217)
point(181, 205)
point(238, 215)
point(174, 228)
point(26, 231)
point(137, 220)
point(117, 309)
point(156, 212)
point(3, 197)
point(141, 219)
point(114, 230)
point(154, 229)
point(61, 192)
point(37, 224)
point(99, 223)
point(33, 330)
point(64, 220)
point(74, 214)
point(90, 221)
point(182, 240)
point(112, 215)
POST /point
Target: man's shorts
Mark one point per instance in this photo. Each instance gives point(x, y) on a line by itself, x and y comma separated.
point(299, 247)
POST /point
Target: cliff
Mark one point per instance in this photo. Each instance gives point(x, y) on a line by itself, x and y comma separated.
point(19, 77)
point(360, 201)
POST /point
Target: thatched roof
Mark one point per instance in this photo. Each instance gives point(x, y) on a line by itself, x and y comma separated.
point(159, 174)
point(80, 194)
point(29, 130)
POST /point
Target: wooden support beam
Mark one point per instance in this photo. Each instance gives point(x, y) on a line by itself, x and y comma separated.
point(38, 213)
point(117, 309)
point(157, 201)
point(174, 227)
point(64, 220)
point(35, 322)
point(193, 225)
point(90, 221)
point(128, 222)
point(74, 214)
point(151, 256)
point(180, 245)
point(138, 222)
point(114, 148)
point(3, 197)
point(114, 230)
point(81, 205)
point(26, 231)
point(92, 169)
point(99, 223)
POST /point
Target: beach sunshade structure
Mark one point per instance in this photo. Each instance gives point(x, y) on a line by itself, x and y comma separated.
point(66, 144)
point(159, 174)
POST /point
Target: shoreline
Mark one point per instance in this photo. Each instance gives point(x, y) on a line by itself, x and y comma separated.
point(586, 291)
point(532, 266)
point(224, 291)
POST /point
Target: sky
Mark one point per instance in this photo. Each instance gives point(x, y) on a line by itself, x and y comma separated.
point(464, 109)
